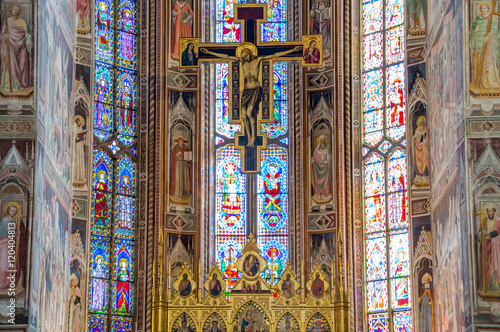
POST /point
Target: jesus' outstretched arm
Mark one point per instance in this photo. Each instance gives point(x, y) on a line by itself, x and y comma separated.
point(280, 54)
point(219, 55)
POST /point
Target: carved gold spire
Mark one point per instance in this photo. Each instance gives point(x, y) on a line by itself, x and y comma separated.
point(341, 303)
point(159, 305)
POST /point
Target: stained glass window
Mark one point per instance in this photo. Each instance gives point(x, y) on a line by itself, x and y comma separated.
point(232, 191)
point(388, 288)
point(111, 285)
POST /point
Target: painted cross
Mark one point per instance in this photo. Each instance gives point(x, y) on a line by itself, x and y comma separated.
point(250, 75)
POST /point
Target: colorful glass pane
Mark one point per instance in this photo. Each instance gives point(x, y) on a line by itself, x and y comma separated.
point(230, 192)
point(228, 250)
point(399, 255)
point(373, 53)
point(99, 257)
point(97, 323)
point(114, 167)
point(103, 83)
point(401, 289)
point(375, 214)
point(394, 13)
point(395, 45)
point(123, 300)
point(395, 84)
point(279, 126)
point(386, 202)
point(374, 175)
point(273, 32)
point(372, 18)
point(126, 89)
point(373, 90)
point(397, 170)
point(121, 324)
point(126, 49)
point(275, 251)
point(123, 269)
point(396, 115)
point(402, 321)
point(378, 322)
point(127, 16)
point(377, 296)
point(272, 189)
point(376, 259)
point(372, 139)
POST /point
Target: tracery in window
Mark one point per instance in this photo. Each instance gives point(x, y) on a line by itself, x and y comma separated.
point(388, 288)
point(111, 285)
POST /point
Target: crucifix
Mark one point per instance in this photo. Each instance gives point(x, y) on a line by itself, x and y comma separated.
point(477, 81)
point(251, 75)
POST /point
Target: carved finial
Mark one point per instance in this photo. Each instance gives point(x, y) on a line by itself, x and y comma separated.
point(251, 238)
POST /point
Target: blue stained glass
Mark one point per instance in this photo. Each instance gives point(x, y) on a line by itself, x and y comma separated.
point(272, 189)
point(401, 293)
point(127, 16)
point(127, 50)
point(104, 43)
point(103, 83)
point(97, 323)
point(123, 260)
point(231, 192)
point(223, 127)
point(274, 249)
point(273, 32)
point(126, 89)
point(114, 174)
point(279, 126)
point(228, 250)
point(121, 324)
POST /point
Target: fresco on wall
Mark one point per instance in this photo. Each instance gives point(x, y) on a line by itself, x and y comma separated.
point(180, 250)
point(444, 90)
point(182, 20)
point(484, 164)
point(484, 41)
point(17, 45)
point(15, 222)
point(83, 17)
point(77, 276)
point(321, 162)
point(80, 133)
point(181, 122)
point(320, 23)
point(416, 14)
point(52, 254)
point(451, 284)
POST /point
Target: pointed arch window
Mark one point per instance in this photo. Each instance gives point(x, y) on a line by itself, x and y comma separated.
point(113, 215)
point(388, 288)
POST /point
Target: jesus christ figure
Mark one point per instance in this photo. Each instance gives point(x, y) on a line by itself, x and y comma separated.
point(252, 91)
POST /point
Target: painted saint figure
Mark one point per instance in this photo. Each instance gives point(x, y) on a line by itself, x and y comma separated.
point(101, 199)
point(11, 222)
point(180, 171)
point(214, 327)
point(184, 326)
point(319, 16)
point(317, 326)
point(123, 272)
point(189, 56)
point(16, 43)
point(311, 54)
point(287, 327)
point(488, 237)
point(104, 25)
point(252, 90)
point(79, 164)
point(125, 204)
point(214, 286)
point(287, 286)
point(318, 286)
point(420, 153)
point(322, 171)
point(75, 304)
point(485, 49)
point(182, 17)
point(185, 286)
point(98, 285)
point(127, 37)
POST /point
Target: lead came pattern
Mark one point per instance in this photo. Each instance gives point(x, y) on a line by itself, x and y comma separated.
point(388, 286)
point(111, 285)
